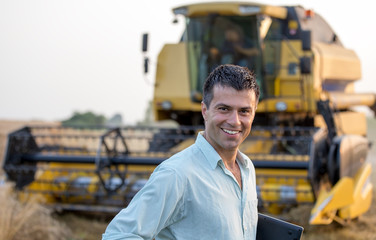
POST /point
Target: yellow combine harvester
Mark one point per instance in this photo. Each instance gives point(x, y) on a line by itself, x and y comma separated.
point(307, 145)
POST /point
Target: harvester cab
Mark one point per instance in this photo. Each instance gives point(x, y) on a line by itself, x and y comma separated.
point(304, 145)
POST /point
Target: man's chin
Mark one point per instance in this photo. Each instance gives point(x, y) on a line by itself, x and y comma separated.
point(231, 146)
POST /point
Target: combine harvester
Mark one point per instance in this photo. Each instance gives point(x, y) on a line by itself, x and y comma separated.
point(307, 144)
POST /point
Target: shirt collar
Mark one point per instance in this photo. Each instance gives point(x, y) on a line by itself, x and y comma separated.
point(243, 159)
point(211, 154)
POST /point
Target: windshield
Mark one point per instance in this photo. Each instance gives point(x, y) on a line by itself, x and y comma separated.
point(213, 40)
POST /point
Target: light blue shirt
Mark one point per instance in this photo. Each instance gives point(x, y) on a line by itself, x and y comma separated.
point(191, 196)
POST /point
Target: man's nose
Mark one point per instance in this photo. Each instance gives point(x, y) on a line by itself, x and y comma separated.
point(234, 118)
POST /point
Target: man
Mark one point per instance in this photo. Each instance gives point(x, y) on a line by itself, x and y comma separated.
point(207, 191)
point(236, 49)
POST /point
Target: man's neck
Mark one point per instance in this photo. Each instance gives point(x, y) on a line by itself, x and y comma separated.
point(229, 158)
point(231, 164)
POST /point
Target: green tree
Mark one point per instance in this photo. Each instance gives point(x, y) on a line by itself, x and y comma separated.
point(115, 121)
point(86, 119)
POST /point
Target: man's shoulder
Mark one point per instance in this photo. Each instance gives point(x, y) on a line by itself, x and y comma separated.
point(183, 160)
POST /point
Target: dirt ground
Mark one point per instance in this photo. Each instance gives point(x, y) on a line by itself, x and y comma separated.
point(89, 228)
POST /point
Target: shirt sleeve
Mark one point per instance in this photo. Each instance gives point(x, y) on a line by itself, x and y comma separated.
point(158, 204)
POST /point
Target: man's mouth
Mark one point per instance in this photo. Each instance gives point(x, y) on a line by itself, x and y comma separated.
point(231, 132)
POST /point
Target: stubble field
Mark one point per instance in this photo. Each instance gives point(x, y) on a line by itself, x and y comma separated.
point(26, 219)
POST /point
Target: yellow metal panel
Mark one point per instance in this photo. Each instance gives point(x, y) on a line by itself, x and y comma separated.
point(289, 82)
point(342, 194)
point(316, 70)
point(337, 63)
point(270, 192)
point(276, 157)
point(233, 8)
point(172, 79)
point(362, 194)
point(273, 11)
point(183, 145)
point(304, 193)
point(345, 100)
point(284, 173)
point(218, 7)
point(328, 202)
point(141, 168)
point(293, 105)
point(283, 185)
point(291, 89)
point(347, 123)
point(257, 146)
point(351, 123)
point(46, 181)
point(290, 54)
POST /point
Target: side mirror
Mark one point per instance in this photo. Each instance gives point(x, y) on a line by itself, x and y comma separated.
point(146, 65)
point(145, 37)
point(306, 40)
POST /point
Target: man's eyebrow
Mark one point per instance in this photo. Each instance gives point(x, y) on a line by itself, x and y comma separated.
point(222, 105)
point(228, 106)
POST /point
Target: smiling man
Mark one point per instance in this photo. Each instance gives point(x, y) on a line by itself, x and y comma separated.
point(229, 106)
point(207, 191)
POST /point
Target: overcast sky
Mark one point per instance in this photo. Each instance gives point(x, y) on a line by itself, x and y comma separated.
point(57, 57)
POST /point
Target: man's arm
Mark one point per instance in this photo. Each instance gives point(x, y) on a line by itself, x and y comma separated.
point(246, 51)
point(155, 206)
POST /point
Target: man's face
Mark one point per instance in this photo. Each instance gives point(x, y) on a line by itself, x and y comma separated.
point(228, 120)
point(231, 35)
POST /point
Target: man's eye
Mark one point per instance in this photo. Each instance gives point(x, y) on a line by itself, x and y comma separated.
point(223, 108)
point(244, 111)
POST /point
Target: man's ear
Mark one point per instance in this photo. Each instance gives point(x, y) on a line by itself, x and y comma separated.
point(204, 110)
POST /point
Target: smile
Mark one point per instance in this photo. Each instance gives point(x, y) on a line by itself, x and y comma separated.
point(230, 132)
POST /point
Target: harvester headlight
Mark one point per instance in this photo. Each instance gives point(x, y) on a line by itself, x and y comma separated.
point(166, 105)
point(281, 106)
point(288, 193)
point(249, 9)
point(116, 182)
point(183, 11)
point(82, 182)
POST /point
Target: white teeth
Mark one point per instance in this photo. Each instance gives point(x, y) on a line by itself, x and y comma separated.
point(230, 132)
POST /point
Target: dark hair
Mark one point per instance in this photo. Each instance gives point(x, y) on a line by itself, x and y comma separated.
point(237, 77)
